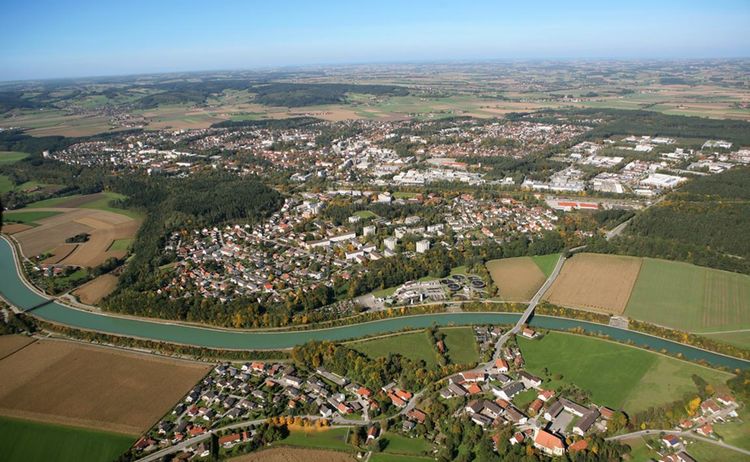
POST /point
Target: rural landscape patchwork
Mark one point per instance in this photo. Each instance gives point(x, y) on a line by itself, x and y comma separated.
point(436, 236)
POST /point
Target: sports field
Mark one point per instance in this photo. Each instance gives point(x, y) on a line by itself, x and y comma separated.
point(692, 298)
point(595, 282)
point(616, 375)
point(72, 384)
point(20, 442)
point(517, 279)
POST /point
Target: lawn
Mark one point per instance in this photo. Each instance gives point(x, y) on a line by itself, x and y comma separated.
point(399, 444)
point(546, 263)
point(616, 375)
point(120, 244)
point(736, 433)
point(461, 345)
point(26, 441)
point(103, 203)
point(707, 452)
point(523, 399)
point(8, 157)
point(27, 217)
point(691, 298)
point(404, 195)
point(413, 345)
point(334, 438)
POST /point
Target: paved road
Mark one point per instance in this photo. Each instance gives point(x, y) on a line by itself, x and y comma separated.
point(529, 309)
point(684, 434)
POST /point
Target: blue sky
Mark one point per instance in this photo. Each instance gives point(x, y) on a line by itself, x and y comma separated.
point(47, 39)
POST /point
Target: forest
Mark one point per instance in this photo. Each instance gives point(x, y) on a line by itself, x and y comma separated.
point(312, 94)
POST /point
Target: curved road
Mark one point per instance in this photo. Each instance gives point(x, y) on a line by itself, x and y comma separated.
point(684, 434)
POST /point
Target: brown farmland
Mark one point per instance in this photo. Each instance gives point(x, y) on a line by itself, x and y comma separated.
point(93, 291)
point(11, 343)
point(285, 454)
point(15, 228)
point(102, 226)
point(95, 387)
point(518, 279)
point(595, 282)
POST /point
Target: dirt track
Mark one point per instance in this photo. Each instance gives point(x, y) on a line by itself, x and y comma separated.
point(596, 282)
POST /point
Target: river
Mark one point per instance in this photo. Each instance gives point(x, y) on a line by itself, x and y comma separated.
point(16, 292)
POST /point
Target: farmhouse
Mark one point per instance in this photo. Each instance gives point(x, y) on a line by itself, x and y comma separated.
point(549, 443)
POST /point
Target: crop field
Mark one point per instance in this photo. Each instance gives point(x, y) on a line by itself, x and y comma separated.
point(28, 217)
point(283, 454)
point(71, 384)
point(19, 440)
point(616, 375)
point(546, 263)
point(8, 157)
point(595, 282)
point(93, 291)
point(517, 279)
point(60, 223)
point(13, 228)
point(9, 344)
point(692, 298)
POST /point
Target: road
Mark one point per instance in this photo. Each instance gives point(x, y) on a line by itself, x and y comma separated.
point(684, 434)
point(529, 309)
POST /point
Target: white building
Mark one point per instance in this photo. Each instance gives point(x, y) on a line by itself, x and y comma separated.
point(423, 246)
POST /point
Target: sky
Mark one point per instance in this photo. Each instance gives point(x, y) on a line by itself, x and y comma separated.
point(42, 39)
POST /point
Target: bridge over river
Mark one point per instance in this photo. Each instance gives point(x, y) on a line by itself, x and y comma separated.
point(16, 291)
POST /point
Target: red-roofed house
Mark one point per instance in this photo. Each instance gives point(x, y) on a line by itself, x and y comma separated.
point(549, 443)
point(579, 445)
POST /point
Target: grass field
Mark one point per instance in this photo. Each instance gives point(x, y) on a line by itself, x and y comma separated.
point(26, 441)
point(518, 278)
point(595, 282)
point(546, 263)
point(462, 348)
point(103, 203)
point(387, 457)
point(8, 157)
point(736, 432)
point(618, 376)
point(459, 341)
point(27, 217)
point(399, 444)
point(6, 184)
point(365, 214)
point(121, 244)
point(334, 438)
point(692, 298)
point(707, 452)
point(413, 345)
point(52, 202)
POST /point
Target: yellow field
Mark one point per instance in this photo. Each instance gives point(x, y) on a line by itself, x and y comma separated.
point(518, 279)
point(595, 282)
